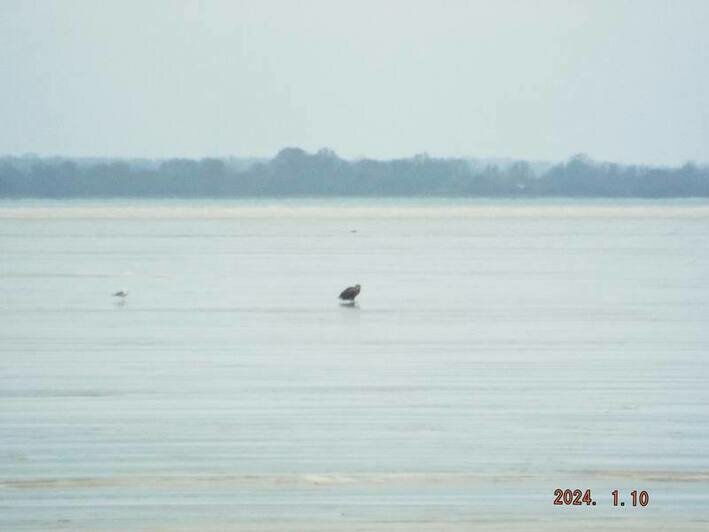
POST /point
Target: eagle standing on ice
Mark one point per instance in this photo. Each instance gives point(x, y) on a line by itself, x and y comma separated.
point(349, 293)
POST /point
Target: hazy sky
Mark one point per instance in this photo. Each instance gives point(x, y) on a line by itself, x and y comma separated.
point(619, 80)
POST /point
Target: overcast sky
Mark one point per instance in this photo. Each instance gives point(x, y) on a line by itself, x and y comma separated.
point(626, 81)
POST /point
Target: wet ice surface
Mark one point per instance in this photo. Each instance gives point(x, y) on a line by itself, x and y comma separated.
point(498, 350)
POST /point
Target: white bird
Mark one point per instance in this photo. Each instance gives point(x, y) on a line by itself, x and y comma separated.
point(122, 293)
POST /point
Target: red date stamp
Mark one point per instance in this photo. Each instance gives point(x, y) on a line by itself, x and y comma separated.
point(577, 497)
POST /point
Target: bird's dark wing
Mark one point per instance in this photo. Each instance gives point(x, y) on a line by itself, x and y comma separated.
point(348, 293)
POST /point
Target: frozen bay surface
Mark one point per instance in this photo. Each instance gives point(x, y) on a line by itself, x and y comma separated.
point(499, 350)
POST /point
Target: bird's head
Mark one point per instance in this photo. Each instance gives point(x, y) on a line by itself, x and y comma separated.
point(357, 287)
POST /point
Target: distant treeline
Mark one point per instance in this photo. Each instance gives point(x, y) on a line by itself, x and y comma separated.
point(294, 172)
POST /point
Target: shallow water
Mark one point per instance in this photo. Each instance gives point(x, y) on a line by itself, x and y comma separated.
point(499, 350)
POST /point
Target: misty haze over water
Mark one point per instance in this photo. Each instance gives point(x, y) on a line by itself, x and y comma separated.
point(520, 188)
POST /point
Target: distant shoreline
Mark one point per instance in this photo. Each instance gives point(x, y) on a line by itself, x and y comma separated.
point(294, 173)
point(472, 210)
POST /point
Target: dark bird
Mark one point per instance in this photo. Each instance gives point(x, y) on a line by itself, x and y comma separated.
point(122, 293)
point(349, 293)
